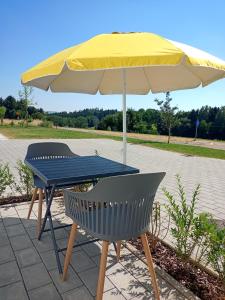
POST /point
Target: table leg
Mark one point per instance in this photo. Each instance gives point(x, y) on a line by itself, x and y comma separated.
point(48, 210)
point(49, 217)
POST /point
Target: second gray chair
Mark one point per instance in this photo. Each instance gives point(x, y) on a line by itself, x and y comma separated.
point(46, 150)
point(117, 208)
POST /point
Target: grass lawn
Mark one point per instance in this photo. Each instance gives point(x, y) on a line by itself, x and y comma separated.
point(35, 132)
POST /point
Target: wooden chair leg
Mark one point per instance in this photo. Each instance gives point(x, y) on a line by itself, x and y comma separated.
point(118, 247)
point(69, 250)
point(40, 202)
point(102, 268)
point(150, 265)
point(32, 202)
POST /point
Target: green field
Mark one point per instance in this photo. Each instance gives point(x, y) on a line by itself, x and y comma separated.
point(34, 132)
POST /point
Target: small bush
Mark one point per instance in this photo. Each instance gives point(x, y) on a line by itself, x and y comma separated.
point(25, 185)
point(47, 124)
point(157, 228)
point(6, 178)
point(21, 123)
point(184, 219)
point(154, 129)
point(216, 250)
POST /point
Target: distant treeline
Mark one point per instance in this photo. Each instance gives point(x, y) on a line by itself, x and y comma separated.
point(17, 109)
point(211, 119)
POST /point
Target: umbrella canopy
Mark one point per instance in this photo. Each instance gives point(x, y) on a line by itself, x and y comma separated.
point(126, 63)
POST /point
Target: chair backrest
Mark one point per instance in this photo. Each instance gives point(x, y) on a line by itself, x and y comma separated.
point(117, 208)
point(48, 150)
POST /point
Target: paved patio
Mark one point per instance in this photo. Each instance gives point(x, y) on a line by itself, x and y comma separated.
point(28, 267)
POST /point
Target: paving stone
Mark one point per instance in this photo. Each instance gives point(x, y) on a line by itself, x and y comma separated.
point(45, 244)
point(9, 273)
point(3, 239)
point(70, 283)
point(32, 222)
point(32, 232)
point(47, 292)
point(90, 279)
point(135, 266)
point(61, 234)
point(35, 276)
point(8, 210)
point(79, 293)
point(15, 230)
point(111, 261)
point(50, 260)
point(8, 221)
point(80, 261)
point(20, 242)
point(113, 294)
point(128, 285)
point(14, 291)
point(92, 249)
point(6, 254)
point(27, 257)
point(167, 292)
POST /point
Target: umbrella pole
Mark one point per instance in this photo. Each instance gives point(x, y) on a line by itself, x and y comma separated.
point(124, 119)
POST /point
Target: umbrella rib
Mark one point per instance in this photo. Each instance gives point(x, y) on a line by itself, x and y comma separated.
point(100, 81)
point(188, 68)
point(64, 69)
point(146, 76)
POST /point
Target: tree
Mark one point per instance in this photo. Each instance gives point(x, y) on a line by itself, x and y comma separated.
point(2, 113)
point(25, 96)
point(10, 105)
point(168, 113)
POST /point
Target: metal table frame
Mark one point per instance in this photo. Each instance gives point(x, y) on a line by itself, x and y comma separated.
point(51, 186)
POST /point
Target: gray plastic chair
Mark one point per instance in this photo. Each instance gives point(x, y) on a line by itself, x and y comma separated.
point(45, 150)
point(117, 208)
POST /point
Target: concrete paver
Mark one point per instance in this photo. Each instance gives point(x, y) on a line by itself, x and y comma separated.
point(15, 291)
point(47, 292)
point(35, 276)
point(27, 257)
point(9, 273)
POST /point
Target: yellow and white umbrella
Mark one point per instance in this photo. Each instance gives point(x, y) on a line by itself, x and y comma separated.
point(126, 63)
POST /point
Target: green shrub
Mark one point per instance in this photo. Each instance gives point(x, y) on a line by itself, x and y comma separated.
point(216, 253)
point(184, 218)
point(21, 123)
point(25, 185)
point(157, 228)
point(47, 124)
point(154, 129)
point(6, 178)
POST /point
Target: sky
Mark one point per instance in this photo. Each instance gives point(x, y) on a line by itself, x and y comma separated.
point(33, 30)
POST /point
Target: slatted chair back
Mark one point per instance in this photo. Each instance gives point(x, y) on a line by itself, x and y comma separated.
point(49, 150)
point(117, 208)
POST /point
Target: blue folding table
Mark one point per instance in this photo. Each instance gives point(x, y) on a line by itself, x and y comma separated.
point(67, 172)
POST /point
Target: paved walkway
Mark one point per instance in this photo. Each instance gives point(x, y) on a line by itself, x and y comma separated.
point(210, 173)
point(28, 268)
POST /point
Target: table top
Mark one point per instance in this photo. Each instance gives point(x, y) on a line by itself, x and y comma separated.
point(76, 169)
